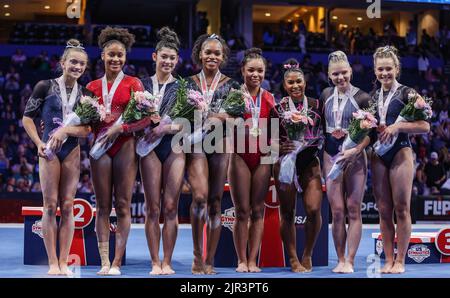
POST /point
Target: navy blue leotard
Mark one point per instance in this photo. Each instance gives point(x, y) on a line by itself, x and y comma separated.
point(46, 101)
point(164, 148)
point(398, 101)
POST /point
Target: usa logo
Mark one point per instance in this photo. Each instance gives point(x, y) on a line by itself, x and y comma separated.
point(228, 218)
point(379, 247)
point(419, 252)
point(37, 228)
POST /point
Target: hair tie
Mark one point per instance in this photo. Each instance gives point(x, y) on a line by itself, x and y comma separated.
point(387, 49)
point(291, 66)
point(71, 46)
point(213, 36)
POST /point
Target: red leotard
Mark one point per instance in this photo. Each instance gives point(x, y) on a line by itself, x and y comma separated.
point(253, 159)
point(119, 102)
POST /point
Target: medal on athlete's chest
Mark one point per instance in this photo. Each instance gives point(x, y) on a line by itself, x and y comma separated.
point(339, 103)
point(338, 134)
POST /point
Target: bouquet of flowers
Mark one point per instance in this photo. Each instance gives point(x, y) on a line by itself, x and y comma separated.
point(417, 108)
point(296, 124)
point(141, 105)
point(236, 104)
point(87, 111)
point(363, 121)
point(188, 101)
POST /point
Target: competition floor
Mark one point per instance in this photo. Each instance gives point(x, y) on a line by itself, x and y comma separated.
point(138, 259)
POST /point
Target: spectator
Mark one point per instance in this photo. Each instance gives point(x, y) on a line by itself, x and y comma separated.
point(85, 185)
point(12, 85)
point(19, 58)
point(8, 113)
point(435, 172)
point(302, 41)
point(11, 185)
point(268, 37)
point(420, 179)
point(4, 163)
point(2, 80)
point(85, 164)
point(12, 73)
point(36, 187)
point(423, 64)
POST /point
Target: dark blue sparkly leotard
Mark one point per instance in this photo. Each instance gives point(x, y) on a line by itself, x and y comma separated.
point(46, 101)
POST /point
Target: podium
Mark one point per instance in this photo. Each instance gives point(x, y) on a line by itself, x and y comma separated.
point(272, 252)
point(84, 249)
point(423, 247)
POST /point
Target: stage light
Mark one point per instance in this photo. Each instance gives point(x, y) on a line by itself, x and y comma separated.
point(6, 6)
point(296, 15)
point(7, 14)
point(267, 14)
point(334, 17)
point(359, 18)
point(47, 7)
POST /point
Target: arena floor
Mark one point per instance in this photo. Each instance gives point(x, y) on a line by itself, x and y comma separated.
point(138, 259)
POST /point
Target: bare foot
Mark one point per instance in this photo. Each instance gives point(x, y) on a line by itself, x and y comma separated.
point(156, 269)
point(307, 263)
point(54, 270)
point(115, 270)
point(253, 268)
point(65, 270)
point(104, 270)
point(197, 267)
point(242, 267)
point(209, 269)
point(348, 267)
point(387, 267)
point(338, 268)
point(397, 268)
point(167, 270)
point(296, 266)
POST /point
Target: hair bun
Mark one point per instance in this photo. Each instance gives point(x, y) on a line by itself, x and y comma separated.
point(74, 43)
point(116, 33)
point(253, 51)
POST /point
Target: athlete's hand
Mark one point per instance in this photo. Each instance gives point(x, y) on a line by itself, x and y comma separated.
point(57, 139)
point(388, 134)
point(156, 133)
point(221, 116)
point(347, 157)
point(41, 148)
point(287, 147)
point(112, 133)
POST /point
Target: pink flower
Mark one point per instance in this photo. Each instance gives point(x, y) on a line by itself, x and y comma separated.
point(196, 99)
point(371, 118)
point(367, 124)
point(420, 103)
point(359, 114)
point(139, 96)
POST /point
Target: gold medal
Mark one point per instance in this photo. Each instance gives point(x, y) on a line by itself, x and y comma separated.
point(338, 134)
point(255, 131)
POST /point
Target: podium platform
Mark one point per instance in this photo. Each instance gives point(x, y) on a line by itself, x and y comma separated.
point(423, 248)
point(84, 249)
point(272, 252)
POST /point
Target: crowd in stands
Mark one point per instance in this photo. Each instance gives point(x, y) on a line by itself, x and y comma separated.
point(353, 41)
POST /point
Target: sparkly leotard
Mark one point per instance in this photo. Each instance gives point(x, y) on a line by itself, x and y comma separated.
point(46, 100)
point(119, 103)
